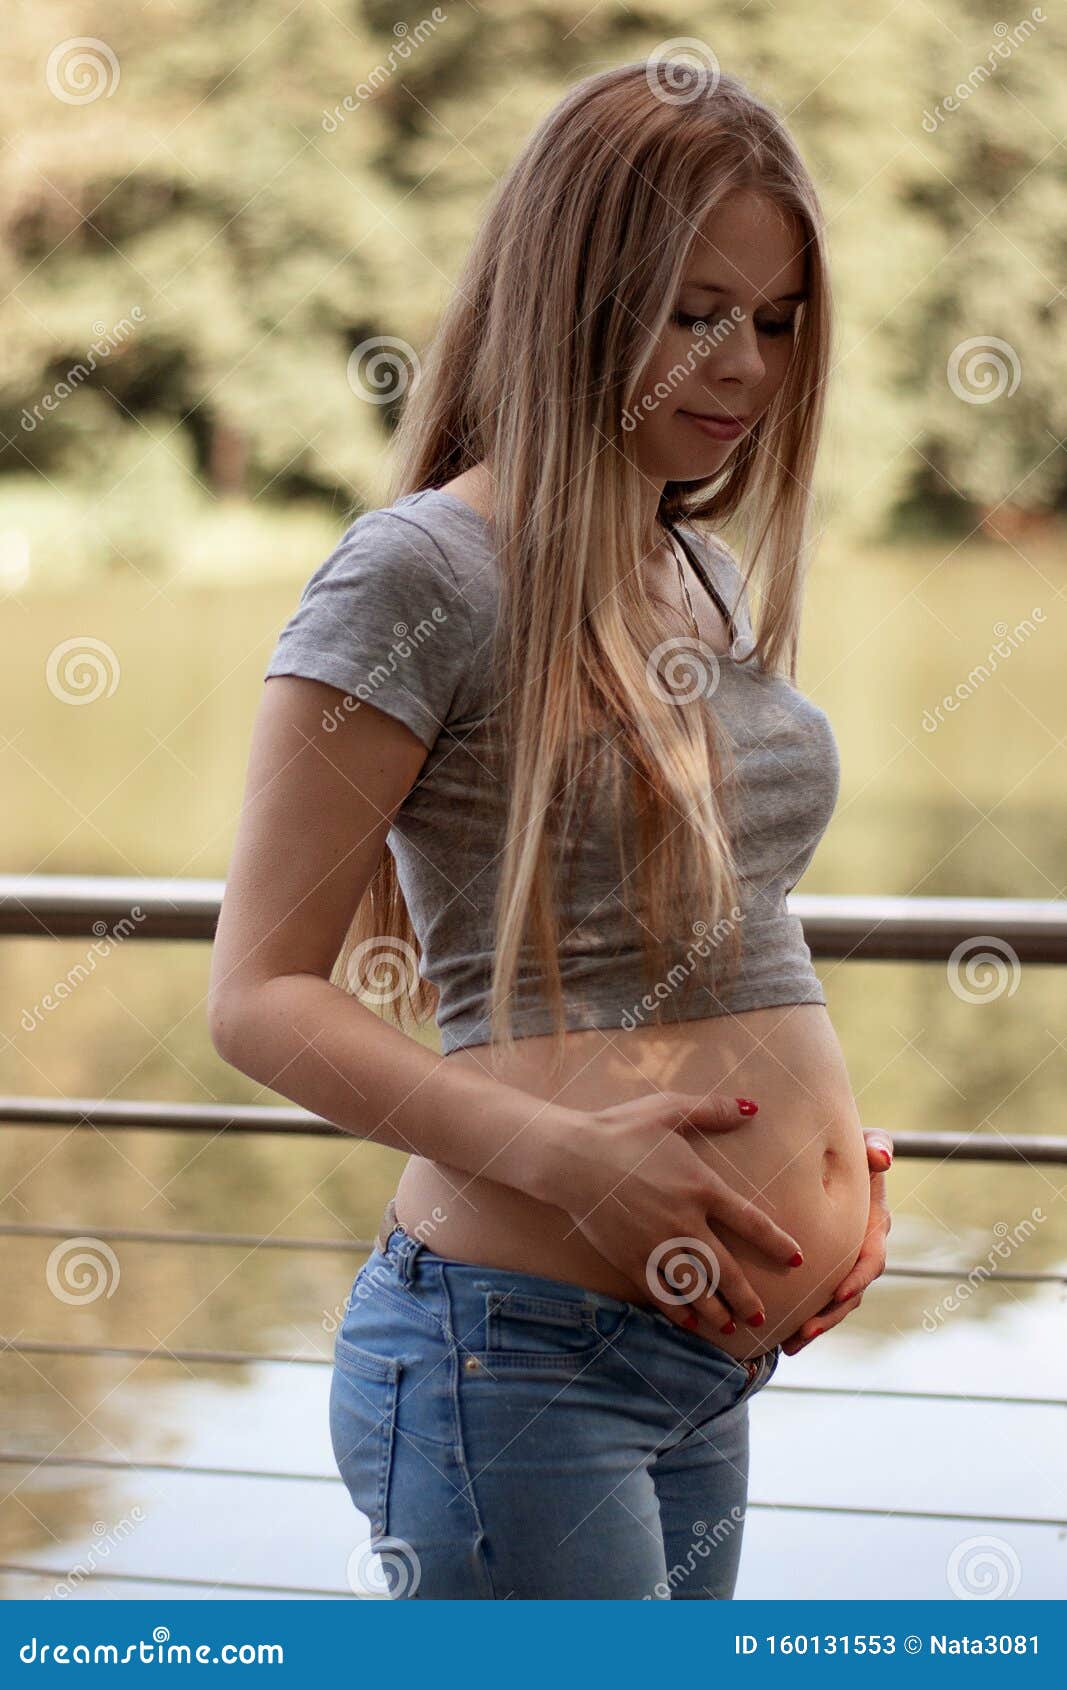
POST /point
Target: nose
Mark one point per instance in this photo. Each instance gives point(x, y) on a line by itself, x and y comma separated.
point(738, 357)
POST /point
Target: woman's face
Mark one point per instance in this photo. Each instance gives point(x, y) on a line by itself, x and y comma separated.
point(744, 281)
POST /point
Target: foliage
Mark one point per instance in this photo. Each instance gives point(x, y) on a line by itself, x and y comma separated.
point(224, 242)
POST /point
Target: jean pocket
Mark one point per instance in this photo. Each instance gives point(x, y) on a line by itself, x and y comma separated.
point(527, 1332)
point(363, 1399)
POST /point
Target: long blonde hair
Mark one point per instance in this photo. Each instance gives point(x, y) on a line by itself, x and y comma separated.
point(563, 299)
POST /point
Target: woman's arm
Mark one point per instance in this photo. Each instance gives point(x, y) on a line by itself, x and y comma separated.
point(316, 811)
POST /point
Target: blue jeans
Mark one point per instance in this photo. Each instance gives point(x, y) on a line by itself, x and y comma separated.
point(509, 1435)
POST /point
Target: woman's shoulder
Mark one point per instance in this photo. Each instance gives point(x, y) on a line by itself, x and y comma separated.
point(425, 536)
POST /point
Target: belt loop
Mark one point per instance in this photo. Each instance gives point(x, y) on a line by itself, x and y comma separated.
point(406, 1251)
point(757, 1370)
point(406, 1255)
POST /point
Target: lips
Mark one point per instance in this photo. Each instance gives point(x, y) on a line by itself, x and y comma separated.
point(716, 416)
point(715, 425)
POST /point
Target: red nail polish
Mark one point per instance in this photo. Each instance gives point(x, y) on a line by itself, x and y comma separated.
point(818, 1332)
point(731, 1326)
point(746, 1105)
point(796, 1260)
point(689, 1319)
point(758, 1319)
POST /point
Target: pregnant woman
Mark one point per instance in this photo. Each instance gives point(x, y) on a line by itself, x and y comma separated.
point(523, 761)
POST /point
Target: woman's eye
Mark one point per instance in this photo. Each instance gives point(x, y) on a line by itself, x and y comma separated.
point(687, 320)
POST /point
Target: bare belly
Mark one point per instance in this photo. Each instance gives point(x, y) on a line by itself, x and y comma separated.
point(802, 1158)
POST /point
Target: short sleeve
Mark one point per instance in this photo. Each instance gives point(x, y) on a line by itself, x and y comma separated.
point(384, 620)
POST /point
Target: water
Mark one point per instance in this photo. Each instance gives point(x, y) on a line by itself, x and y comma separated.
point(148, 780)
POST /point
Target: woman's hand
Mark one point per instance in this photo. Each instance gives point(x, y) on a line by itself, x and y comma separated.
point(871, 1259)
point(641, 1194)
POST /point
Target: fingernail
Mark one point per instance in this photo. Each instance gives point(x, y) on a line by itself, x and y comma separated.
point(888, 1158)
point(796, 1261)
point(731, 1326)
point(689, 1318)
point(746, 1105)
point(758, 1319)
point(818, 1332)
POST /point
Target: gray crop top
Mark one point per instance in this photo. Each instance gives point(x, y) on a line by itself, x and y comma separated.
point(401, 614)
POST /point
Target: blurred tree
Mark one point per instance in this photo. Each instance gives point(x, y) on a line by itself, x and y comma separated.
point(206, 211)
point(980, 344)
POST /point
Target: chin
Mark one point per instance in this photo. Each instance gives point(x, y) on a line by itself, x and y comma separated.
point(697, 467)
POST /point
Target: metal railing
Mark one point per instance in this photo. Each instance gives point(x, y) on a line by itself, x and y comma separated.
point(854, 928)
point(860, 928)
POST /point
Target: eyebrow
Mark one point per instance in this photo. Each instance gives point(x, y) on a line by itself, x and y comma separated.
point(714, 287)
